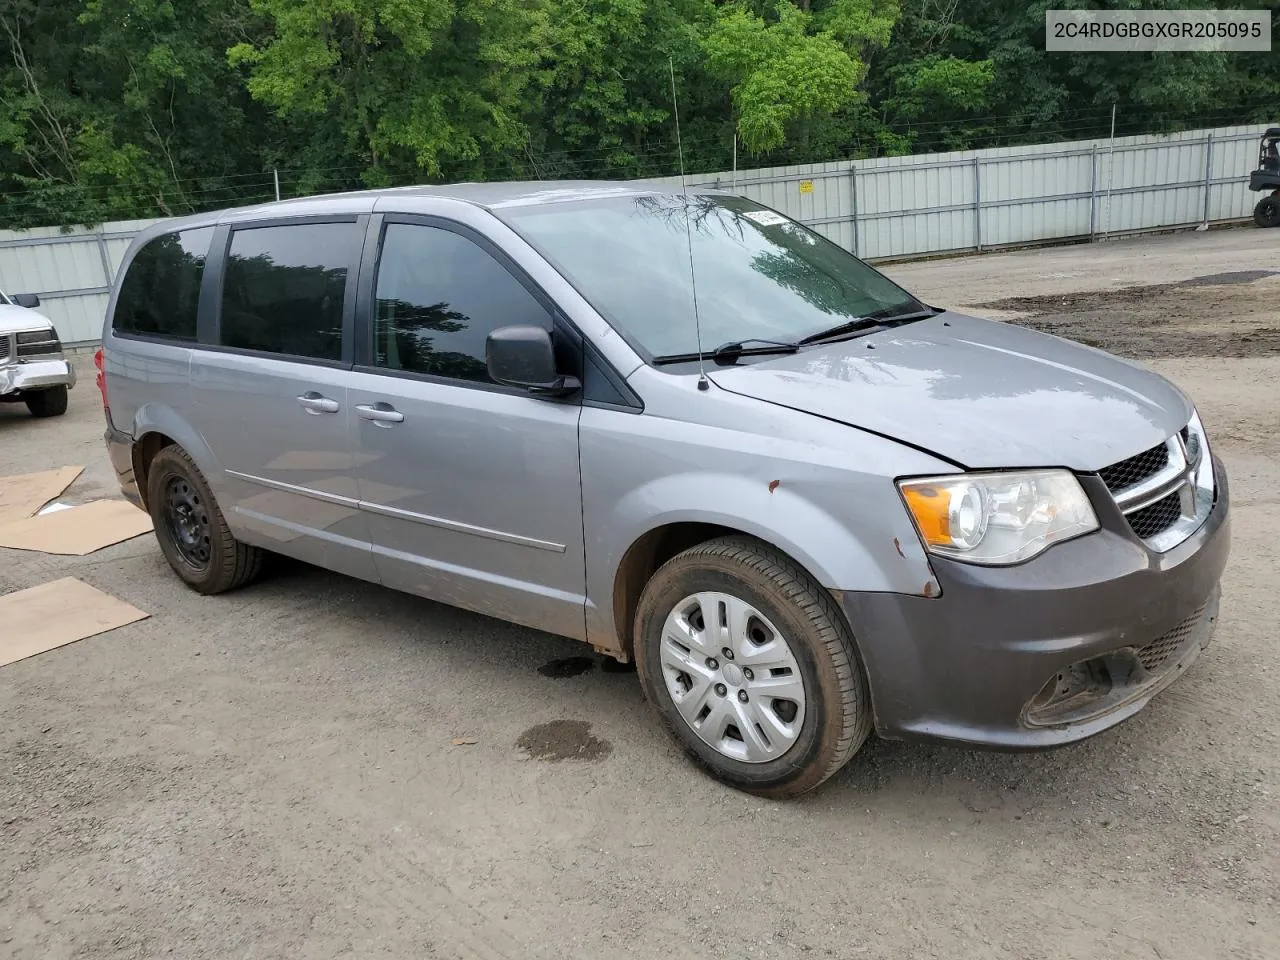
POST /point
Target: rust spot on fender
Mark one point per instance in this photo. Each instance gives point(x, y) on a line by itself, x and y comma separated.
point(930, 589)
point(898, 546)
point(773, 485)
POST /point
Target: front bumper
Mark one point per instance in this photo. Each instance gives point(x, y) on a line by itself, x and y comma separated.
point(1047, 652)
point(36, 375)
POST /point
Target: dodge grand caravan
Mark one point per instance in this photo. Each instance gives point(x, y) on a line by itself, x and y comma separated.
point(687, 431)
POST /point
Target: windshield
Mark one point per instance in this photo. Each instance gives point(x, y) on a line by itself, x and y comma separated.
point(757, 274)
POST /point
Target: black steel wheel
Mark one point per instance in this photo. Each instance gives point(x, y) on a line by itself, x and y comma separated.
point(190, 528)
point(186, 520)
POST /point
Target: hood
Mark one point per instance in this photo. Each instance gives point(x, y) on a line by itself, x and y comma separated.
point(13, 319)
point(979, 393)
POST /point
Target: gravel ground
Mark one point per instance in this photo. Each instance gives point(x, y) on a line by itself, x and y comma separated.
point(316, 767)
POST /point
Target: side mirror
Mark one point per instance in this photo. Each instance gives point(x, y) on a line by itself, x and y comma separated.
point(28, 300)
point(525, 357)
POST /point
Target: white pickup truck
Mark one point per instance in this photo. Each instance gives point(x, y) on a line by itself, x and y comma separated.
point(32, 367)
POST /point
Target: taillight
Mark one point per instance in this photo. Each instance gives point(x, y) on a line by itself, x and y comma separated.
point(102, 379)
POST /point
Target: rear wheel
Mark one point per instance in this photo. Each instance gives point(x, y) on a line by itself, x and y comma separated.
point(190, 528)
point(1267, 212)
point(47, 403)
point(751, 667)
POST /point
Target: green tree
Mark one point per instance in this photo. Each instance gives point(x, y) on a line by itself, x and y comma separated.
point(113, 109)
point(607, 99)
point(415, 85)
point(792, 67)
point(121, 108)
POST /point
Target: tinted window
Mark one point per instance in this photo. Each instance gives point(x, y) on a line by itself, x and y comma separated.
point(161, 290)
point(284, 288)
point(439, 295)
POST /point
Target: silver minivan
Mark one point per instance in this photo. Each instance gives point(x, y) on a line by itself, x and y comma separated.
point(685, 430)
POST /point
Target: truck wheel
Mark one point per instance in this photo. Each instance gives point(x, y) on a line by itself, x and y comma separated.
point(751, 667)
point(47, 403)
point(1267, 212)
point(191, 530)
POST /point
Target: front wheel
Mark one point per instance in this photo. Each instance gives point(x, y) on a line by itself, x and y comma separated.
point(751, 666)
point(1267, 212)
point(47, 403)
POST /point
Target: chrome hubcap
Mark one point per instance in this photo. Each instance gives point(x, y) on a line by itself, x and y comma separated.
point(732, 677)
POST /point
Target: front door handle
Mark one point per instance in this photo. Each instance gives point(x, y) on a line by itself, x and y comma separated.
point(380, 413)
point(315, 404)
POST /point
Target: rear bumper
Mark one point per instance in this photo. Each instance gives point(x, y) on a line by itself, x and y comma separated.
point(120, 452)
point(1047, 652)
point(36, 375)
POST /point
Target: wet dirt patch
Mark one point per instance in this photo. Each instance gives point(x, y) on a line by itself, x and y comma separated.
point(563, 740)
point(566, 667)
point(1232, 315)
point(1222, 279)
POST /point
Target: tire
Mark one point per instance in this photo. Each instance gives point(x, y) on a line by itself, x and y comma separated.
point(780, 601)
point(47, 403)
point(1267, 212)
point(194, 536)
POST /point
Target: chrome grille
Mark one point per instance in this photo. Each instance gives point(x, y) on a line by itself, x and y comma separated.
point(6, 348)
point(1166, 491)
point(1158, 517)
point(38, 343)
point(1156, 653)
point(1126, 473)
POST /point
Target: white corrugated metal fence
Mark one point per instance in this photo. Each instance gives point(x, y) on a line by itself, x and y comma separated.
point(881, 208)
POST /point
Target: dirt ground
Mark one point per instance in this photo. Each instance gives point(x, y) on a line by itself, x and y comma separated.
point(316, 767)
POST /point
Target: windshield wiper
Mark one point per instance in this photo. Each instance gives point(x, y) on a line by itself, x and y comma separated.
point(727, 354)
point(871, 323)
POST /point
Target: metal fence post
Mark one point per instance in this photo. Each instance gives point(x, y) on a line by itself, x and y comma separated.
point(106, 257)
point(1093, 193)
point(853, 201)
point(977, 204)
point(1208, 174)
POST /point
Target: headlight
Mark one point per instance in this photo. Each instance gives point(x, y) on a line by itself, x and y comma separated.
point(1197, 442)
point(995, 518)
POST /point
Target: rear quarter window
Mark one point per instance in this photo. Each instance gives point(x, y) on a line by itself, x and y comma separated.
point(160, 294)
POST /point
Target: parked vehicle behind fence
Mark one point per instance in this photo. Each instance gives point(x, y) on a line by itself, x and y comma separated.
point(33, 369)
point(687, 431)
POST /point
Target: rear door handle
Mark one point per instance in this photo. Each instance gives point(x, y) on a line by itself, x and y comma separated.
point(315, 404)
point(380, 413)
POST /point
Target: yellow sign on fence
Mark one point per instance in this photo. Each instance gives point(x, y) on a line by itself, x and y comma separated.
point(806, 186)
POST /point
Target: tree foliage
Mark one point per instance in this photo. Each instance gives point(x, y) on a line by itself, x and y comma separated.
point(111, 109)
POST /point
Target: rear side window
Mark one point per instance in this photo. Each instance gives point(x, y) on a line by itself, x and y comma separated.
point(161, 290)
point(284, 288)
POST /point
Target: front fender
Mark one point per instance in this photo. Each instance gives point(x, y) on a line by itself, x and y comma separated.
point(875, 551)
point(778, 512)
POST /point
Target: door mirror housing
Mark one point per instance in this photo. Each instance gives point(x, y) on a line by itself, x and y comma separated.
point(525, 357)
point(28, 300)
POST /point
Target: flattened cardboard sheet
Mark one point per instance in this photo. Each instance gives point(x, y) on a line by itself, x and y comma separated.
point(23, 495)
point(55, 614)
point(77, 530)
